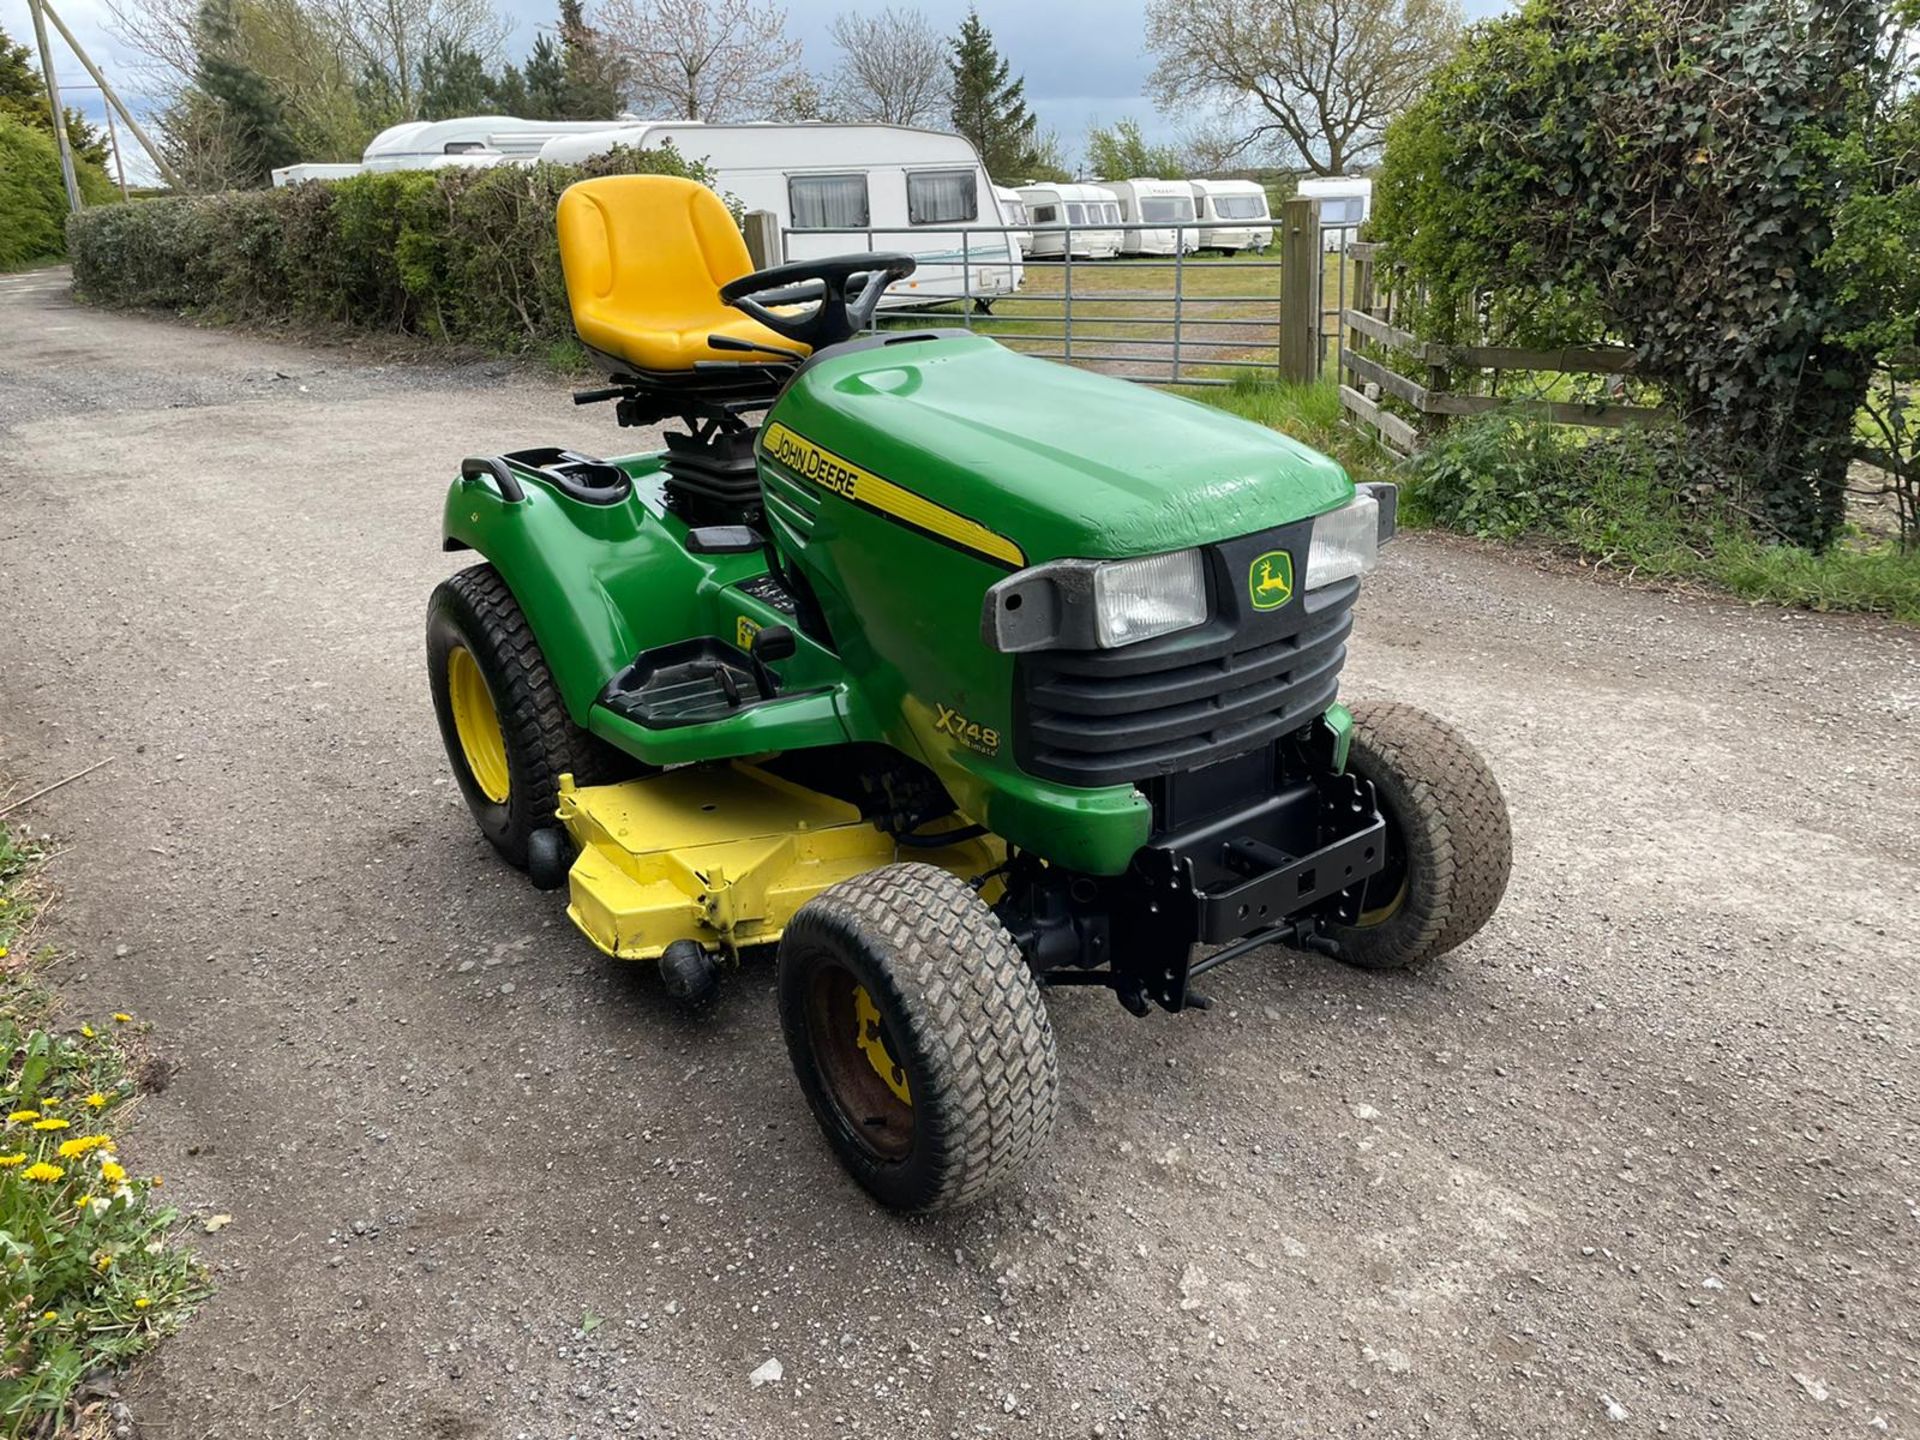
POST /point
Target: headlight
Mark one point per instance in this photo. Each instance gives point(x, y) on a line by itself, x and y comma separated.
point(1346, 542)
point(1139, 599)
point(1096, 604)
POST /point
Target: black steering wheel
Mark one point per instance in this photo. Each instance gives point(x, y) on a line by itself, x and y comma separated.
point(838, 309)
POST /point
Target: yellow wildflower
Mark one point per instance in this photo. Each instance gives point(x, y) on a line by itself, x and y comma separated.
point(83, 1144)
point(52, 1122)
point(97, 1100)
point(141, 1302)
point(50, 1102)
point(43, 1172)
point(3, 952)
point(103, 1261)
point(20, 1117)
point(83, 1202)
point(9, 1161)
point(87, 1030)
point(50, 1316)
point(122, 1016)
point(112, 1172)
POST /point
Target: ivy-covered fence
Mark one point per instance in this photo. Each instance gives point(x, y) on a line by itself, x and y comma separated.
point(1669, 176)
point(457, 254)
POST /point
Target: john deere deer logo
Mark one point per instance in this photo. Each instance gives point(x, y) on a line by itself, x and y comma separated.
point(1270, 581)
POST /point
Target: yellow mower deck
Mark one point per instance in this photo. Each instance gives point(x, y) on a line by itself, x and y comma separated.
point(723, 856)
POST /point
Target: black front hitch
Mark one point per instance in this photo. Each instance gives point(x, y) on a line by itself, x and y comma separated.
point(1273, 874)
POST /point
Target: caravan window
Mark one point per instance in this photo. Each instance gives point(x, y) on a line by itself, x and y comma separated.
point(1163, 208)
point(1109, 211)
point(1240, 207)
point(1046, 214)
point(1076, 213)
point(939, 197)
point(1342, 210)
point(827, 201)
point(1016, 212)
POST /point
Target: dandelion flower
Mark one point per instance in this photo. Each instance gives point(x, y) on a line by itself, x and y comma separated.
point(21, 1117)
point(84, 1202)
point(97, 1100)
point(42, 1173)
point(112, 1172)
point(51, 1102)
point(84, 1144)
point(121, 1016)
point(3, 952)
point(87, 1030)
point(52, 1122)
point(141, 1302)
point(50, 1316)
point(103, 1261)
point(9, 1161)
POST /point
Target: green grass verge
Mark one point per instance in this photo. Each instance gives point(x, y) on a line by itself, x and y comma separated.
point(90, 1271)
point(1620, 501)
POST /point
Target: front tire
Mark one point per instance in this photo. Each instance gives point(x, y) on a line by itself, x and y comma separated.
point(1449, 839)
point(919, 1036)
point(506, 729)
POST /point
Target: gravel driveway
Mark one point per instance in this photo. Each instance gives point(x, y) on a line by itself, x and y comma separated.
point(1640, 1159)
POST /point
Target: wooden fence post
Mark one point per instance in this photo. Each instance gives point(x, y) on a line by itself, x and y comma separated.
point(762, 229)
point(1300, 286)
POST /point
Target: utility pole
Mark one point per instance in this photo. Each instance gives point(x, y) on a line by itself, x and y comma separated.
point(113, 98)
point(59, 111)
point(119, 160)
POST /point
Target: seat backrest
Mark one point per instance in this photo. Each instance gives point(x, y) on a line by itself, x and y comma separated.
point(651, 249)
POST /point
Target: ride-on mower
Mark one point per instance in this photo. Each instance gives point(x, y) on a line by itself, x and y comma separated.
point(957, 674)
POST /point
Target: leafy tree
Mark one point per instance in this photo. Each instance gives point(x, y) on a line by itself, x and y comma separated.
point(23, 96)
point(33, 197)
point(545, 80)
point(1121, 152)
point(596, 75)
point(454, 81)
point(892, 68)
point(240, 99)
point(989, 106)
point(1667, 175)
point(1314, 82)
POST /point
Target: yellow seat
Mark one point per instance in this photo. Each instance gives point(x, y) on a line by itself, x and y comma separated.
point(645, 257)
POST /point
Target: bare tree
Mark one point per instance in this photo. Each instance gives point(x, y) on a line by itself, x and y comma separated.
point(893, 68)
point(1313, 81)
point(702, 59)
point(387, 39)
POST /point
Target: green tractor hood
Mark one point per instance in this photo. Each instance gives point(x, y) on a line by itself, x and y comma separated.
point(1061, 461)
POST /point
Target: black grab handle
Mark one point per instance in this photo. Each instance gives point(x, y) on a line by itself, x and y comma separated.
point(504, 480)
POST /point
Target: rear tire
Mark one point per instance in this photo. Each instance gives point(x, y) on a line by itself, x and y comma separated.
point(485, 666)
point(919, 1036)
point(1449, 839)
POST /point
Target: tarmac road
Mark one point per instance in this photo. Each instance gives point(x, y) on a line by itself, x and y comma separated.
point(1640, 1159)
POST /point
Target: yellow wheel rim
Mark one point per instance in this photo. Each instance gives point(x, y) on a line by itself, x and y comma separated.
point(478, 725)
point(866, 1019)
point(1381, 914)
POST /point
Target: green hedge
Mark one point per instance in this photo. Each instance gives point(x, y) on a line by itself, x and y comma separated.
point(33, 200)
point(455, 254)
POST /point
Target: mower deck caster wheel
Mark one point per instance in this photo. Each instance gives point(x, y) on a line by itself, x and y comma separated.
point(689, 973)
point(549, 858)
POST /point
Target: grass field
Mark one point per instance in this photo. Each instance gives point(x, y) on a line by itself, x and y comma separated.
point(1125, 314)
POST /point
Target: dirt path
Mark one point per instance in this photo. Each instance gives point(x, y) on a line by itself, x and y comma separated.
point(1649, 1143)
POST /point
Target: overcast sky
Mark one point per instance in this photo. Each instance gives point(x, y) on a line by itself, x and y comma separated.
point(1082, 59)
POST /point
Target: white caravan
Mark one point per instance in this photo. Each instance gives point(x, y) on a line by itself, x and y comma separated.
point(1156, 202)
point(1015, 211)
point(1345, 203)
point(1058, 212)
point(474, 142)
point(1233, 215)
point(883, 187)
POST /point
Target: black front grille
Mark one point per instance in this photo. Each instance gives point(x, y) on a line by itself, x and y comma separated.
point(1111, 717)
